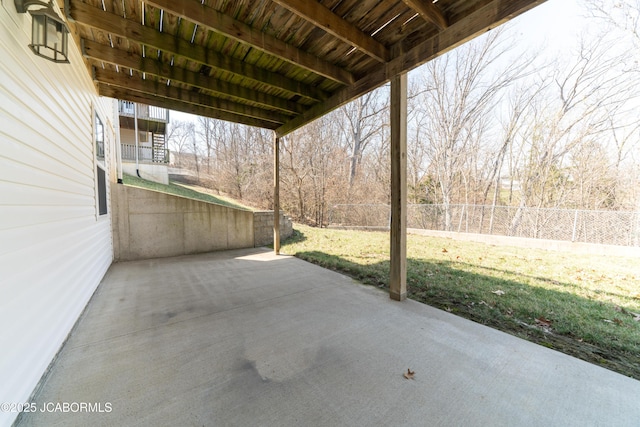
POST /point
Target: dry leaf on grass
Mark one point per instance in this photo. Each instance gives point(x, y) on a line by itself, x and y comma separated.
point(498, 292)
point(543, 322)
point(409, 374)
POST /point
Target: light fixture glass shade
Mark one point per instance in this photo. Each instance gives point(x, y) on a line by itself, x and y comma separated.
point(49, 37)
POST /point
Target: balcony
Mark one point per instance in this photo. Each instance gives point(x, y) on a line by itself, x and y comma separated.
point(146, 154)
point(150, 118)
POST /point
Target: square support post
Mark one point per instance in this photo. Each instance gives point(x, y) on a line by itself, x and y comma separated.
point(398, 279)
point(276, 194)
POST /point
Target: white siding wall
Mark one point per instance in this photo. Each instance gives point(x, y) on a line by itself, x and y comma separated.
point(54, 248)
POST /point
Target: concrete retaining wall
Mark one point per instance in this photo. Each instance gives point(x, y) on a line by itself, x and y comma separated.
point(156, 172)
point(263, 227)
point(150, 224)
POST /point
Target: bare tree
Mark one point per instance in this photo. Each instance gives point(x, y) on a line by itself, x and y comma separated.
point(179, 138)
point(361, 123)
point(461, 89)
point(206, 129)
point(621, 14)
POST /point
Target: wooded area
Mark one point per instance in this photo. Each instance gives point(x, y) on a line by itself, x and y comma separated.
point(488, 124)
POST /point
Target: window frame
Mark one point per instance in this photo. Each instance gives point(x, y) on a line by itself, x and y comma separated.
point(101, 184)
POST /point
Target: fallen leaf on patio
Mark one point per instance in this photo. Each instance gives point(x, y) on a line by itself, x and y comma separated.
point(543, 322)
point(409, 374)
point(498, 292)
point(444, 250)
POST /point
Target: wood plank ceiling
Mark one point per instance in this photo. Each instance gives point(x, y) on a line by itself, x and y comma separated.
point(275, 64)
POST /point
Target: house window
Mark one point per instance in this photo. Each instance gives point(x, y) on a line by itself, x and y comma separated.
point(102, 191)
point(101, 175)
point(99, 133)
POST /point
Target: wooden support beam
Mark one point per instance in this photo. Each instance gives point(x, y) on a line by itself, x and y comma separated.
point(490, 16)
point(96, 18)
point(213, 20)
point(145, 98)
point(276, 194)
point(104, 53)
point(428, 11)
point(398, 279)
point(320, 16)
point(153, 87)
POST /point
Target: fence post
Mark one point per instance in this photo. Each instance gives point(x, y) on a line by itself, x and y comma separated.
point(493, 209)
point(575, 226)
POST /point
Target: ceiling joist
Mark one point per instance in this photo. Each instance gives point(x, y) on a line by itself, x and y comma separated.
point(324, 18)
point(159, 88)
point(103, 53)
point(428, 11)
point(213, 20)
point(276, 64)
point(97, 18)
point(144, 98)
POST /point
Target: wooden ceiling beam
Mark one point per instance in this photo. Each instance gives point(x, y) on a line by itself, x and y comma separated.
point(213, 20)
point(96, 18)
point(429, 11)
point(156, 88)
point(482, 20)
point(322, 17)
point(103, 53)
point(145, 98)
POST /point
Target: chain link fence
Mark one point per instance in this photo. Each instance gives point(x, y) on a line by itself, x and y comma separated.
point(574, 225)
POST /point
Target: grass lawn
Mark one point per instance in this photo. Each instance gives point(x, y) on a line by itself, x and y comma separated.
point(181, 190)
point(586, 306)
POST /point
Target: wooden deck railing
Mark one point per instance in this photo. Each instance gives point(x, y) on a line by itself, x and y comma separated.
point(145, 112)
point(146, 154)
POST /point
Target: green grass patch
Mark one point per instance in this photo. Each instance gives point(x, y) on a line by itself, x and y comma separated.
point(182, 191)
point(582, 305)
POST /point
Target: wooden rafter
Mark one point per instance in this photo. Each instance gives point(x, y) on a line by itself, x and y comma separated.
point(145, 98)
point(156, 88)
point(324, 18)
point(428, 11)
point(97, 18)
point(490, 16)
point(211, 19)
point(103, 53)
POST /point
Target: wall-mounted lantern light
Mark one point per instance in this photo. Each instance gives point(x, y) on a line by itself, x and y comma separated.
point(49, 32)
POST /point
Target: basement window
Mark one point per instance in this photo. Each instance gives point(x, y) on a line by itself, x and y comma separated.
point(101, 174)
point(102, 191)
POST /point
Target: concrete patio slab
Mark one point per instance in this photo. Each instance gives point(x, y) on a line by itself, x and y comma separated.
point(242, 338)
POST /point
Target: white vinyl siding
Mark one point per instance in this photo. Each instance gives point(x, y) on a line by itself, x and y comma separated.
point(54, 247)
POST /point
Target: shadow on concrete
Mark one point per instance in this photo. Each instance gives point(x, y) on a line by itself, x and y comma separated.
point(574, 321)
